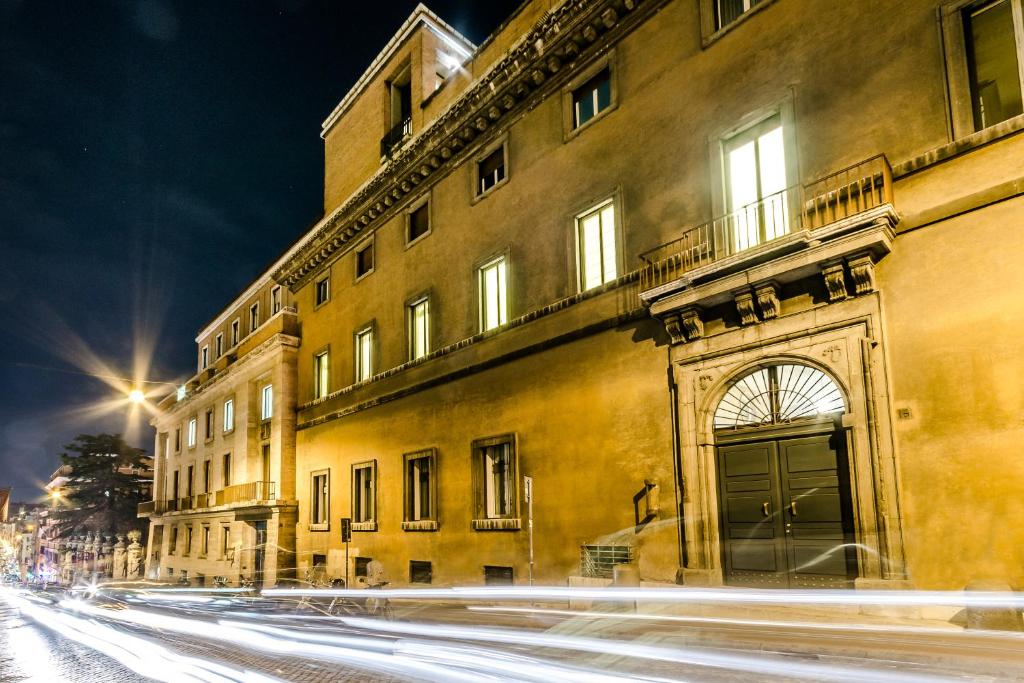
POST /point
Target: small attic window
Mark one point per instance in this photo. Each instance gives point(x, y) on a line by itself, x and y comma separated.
point(445, 66)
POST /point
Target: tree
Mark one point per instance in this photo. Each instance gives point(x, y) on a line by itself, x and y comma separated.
point(108, 480)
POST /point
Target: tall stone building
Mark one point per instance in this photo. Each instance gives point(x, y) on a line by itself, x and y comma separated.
point(733, 283)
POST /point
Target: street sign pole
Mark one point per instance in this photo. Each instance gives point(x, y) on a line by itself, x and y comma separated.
point(528, 491)
point(346, 537)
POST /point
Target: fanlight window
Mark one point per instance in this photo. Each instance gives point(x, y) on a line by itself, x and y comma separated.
point(778, 394)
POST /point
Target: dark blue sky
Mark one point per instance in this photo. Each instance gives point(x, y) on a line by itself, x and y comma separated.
point(155, 157)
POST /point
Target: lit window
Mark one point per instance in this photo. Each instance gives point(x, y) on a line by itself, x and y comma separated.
point(992, 62)
point(419, 328)
point(363, 493)
point(219, 345)
point(235, 325)
point(728, 11)
point(254, 317)
point(419, 222)
point(204, 358)
point(320, 499)
point(267, 403)
point(192, 428)
point(493, 294)
point(419, 480)
point(491, 170)
point(756, 185)
point(591, 98)
point(495, 459)
point(595, 237)
point(323, 290)
point(275, 300)
point(364, 354)
point(321, 374)
point(364, 260)
point(229, 415)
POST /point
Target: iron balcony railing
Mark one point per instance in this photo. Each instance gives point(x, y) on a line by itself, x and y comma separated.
point(239, 493)
point(840, 195)
point(395, 136)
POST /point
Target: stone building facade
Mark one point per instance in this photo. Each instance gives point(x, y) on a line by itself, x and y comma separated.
point(729, 281)
point(224, 507)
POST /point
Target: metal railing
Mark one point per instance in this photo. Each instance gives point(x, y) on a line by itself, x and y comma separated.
point(395, 136)
point(239, 493)
point(598, 561)
point(839, 195)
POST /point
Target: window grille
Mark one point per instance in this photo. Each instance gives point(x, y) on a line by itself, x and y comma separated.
point(777, 395)
point(598, 561)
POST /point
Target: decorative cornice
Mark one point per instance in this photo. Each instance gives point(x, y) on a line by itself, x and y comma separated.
point(531, 70)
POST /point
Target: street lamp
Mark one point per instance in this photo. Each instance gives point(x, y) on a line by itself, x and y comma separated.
point(55, 495)
point(136, 396)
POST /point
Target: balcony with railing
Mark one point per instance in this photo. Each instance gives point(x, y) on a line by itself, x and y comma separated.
point(251, 492)
point(396, 136)
point(777, 224)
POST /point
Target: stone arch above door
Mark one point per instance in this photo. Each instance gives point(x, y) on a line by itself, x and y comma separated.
point(778, 393)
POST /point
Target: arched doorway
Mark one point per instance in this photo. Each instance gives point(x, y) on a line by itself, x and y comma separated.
point(786, 516)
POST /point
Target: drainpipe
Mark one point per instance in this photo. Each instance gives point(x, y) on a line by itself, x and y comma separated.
point(679, 481)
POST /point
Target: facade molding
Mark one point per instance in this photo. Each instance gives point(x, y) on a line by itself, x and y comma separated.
point(557, 46)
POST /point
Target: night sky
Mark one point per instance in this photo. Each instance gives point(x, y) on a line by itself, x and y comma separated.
point(155, 157)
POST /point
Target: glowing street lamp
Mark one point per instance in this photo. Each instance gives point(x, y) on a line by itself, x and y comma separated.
point(136, 396)
point(55, 495)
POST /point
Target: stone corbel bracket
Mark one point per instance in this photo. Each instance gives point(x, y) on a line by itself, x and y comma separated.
point(684, 326)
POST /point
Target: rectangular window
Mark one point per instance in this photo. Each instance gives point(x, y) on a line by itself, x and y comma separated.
point(323, 291)
point(229, 415)
point(177, 439)
point(204, 358)
point(267, 402)
point(225, 541)
point(993, 62)
point(192, 425)
point(321, 374)
point(595, 239)
point(496, 486)
point(497, 576)
point(219, 345)
point(418, 315)
point(254, 317)
point(756, 182)
point(235, 325)
point(420, 572)
point(320, 500)
point(176, 486)
point(173, 543)
point(491, 170)
point(419, 486)
point(362, 566)
point(728, 11)
point(275, 300)
point(206, 476)
point(188, 540)
point(204, 541)
point(208, 423)
point(364, 260)
point(225, 469)
point(190, 483)
point(364, 354)
point(493, 294)
point(419, 222)
point(364, 493)
point(592, 98)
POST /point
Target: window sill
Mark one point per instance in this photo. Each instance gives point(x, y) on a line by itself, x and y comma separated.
point(480, 196)
point(410, 243)
point(420, 525)
point(364, 526)
point(578, 130)
point(499, 524)
point(320, 527)
point(365, 275)
point(718, 33)
point(963, 145)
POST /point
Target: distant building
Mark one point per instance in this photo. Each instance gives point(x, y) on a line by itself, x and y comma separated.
point(734, 284)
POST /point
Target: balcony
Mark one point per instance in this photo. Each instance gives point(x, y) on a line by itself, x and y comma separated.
point(778, 224)
point(395, 137)
point(146, 508)
point(244, 493)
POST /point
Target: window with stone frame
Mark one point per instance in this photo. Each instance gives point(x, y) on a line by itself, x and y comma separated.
point(364, 496)
point(496, 483)
point(592, 98)
point(320, 500)
point(490, 170)
point(420, 490)
point(418, 222)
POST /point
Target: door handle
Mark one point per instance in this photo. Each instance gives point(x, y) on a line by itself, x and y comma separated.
point(764, 508)
point(792, 508)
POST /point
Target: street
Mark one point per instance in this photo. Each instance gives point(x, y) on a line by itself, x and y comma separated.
point(169, 635)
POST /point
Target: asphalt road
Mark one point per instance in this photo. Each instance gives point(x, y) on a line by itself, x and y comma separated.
point(142, 635)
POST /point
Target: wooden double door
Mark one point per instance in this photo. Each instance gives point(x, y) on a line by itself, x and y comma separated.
point(786, 515)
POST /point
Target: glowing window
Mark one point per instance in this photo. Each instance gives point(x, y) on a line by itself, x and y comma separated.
point(493, 294)
point(595, 237)
point(778, 394)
